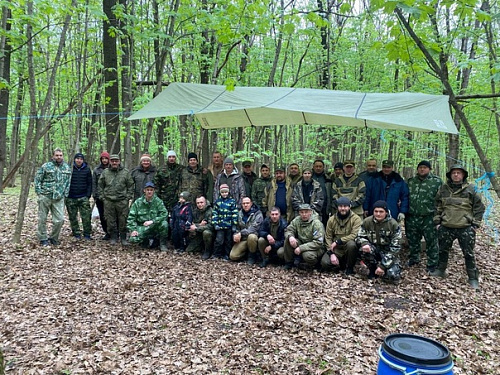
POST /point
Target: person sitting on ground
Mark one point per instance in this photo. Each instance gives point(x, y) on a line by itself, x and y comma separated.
point(307, 191)
point(272, 238)
point(201, 230)
point(304, 239)
point(246, 236)
point(341, 231)
point(379, 242)
point(224, 220)
point(181, 221)
point(147, 220)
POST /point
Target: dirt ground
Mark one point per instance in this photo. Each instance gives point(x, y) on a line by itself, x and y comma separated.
point(89, 308)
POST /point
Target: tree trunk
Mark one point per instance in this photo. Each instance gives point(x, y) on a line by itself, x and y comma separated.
point(5, 91)
point(110, 59)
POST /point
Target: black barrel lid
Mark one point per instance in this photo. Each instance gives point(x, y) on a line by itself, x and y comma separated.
point(416, 349)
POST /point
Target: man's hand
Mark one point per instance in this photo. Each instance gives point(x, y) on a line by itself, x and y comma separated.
point(270, 239)
point(134, 233)
point(267, 249)
point(333, 245)
point(237, 237)
point(192, 228)
point(297, 251)
point(379, 271)
point(203, 223)
point(366, 249)
point(148, 223)
point(334, 260)
point(293, 242)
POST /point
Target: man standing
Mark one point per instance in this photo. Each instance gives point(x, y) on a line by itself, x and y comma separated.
point(338, 169)
point(304, 239)
point(379, 242)
point(80, 190)
point(294, 173)
point(248, 176)
point(326, 187)
point(390, 187)
point(217, 164)
point(307, 191)
point(230, 177)
point(341, 231)
point(246, 235)
point(201, 234)
point(116, 188)
point(370, 171)
point(272, 238)
point(168, 180)
point(147, 220)
point(52, 182)
point(459, 212)
point(419, 222)
point(259, 186)
point(104, 163)
point(144, 172)
point(196, 180)
point(279, 193)
point(351, 186)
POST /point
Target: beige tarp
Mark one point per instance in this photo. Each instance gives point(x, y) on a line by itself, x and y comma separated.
point(215, 107)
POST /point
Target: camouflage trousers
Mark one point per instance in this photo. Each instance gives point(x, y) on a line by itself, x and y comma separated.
point(466, 239)
point(56, 209)
point(82, 206)
point(389, 261)
point(416, 227)
point(116, 213)
point(200, 241)
point(153, 231)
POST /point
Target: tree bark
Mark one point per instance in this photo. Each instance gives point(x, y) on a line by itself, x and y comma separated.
point(5, 91)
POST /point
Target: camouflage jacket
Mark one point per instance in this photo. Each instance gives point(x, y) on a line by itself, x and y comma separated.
point(142, 211)
point(249, 223)
point(384, 235)
point(342, 229)
point(423, 194)
point(140, 177)
point(225, 213)
point(317, 198)
point(310, 233)
point(270, 198)
point(53, 180)
point(116, 185)
point(354, 189)
point(197, 181)
point(259, 190)
point(458, 206)
point(203, 215)
point(167, 181)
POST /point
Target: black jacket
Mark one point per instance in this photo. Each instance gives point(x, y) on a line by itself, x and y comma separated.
point(81, 182)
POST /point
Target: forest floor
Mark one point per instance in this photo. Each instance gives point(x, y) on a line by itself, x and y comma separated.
point(89, 308)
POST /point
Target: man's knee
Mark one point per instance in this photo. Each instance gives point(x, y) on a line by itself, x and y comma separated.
point(252, 241)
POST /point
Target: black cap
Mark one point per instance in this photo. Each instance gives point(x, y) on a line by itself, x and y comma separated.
point(279, 168)
point(381, 204)
point(192, 155)
point(424, 163)
point(338, 165)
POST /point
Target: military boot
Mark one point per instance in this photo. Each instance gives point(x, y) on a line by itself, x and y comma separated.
point(113, 239)
point(206, 254)
point(473, 278)
point(163, 244)
point(438, 273)
point(123, 239)
point(251, 259)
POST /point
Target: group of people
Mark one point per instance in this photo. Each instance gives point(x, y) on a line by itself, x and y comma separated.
point(300, 218)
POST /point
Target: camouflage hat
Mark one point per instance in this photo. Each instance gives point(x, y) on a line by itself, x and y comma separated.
point(279, 168)
point(246, 163)
point(304, 206)
point(457, 166)
point(114, 157)
point(186, 195)
point(388, 163)
point(349, 162)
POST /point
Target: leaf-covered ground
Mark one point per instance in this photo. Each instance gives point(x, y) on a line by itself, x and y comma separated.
point(89, 308)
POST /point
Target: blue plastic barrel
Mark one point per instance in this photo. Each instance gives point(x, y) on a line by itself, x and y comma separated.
point(404, 353)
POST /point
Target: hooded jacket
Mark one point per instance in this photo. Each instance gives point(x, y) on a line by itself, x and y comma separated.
point(252, 223)
point(116, 185)
point(396, 194)
point(236, 186)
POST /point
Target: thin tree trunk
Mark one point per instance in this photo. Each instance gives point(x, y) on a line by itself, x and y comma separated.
point(5, 91)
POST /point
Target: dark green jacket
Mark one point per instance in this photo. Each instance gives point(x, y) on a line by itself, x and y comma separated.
point(116, 185)
point(310, 233)
point(197, 181)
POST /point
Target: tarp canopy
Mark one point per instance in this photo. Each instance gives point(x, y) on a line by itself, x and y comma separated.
point(216, 107)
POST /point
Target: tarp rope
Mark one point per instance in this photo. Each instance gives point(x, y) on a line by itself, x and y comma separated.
point(483, 184)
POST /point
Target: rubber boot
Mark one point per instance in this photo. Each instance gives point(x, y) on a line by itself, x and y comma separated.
point(123, 239)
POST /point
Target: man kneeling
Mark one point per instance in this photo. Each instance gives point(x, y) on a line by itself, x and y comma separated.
point(379, 240)
point(147, 220)
point(341, 231)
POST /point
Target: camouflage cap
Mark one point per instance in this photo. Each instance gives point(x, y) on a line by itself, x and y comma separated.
point(304, 206)
point(388, 163)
